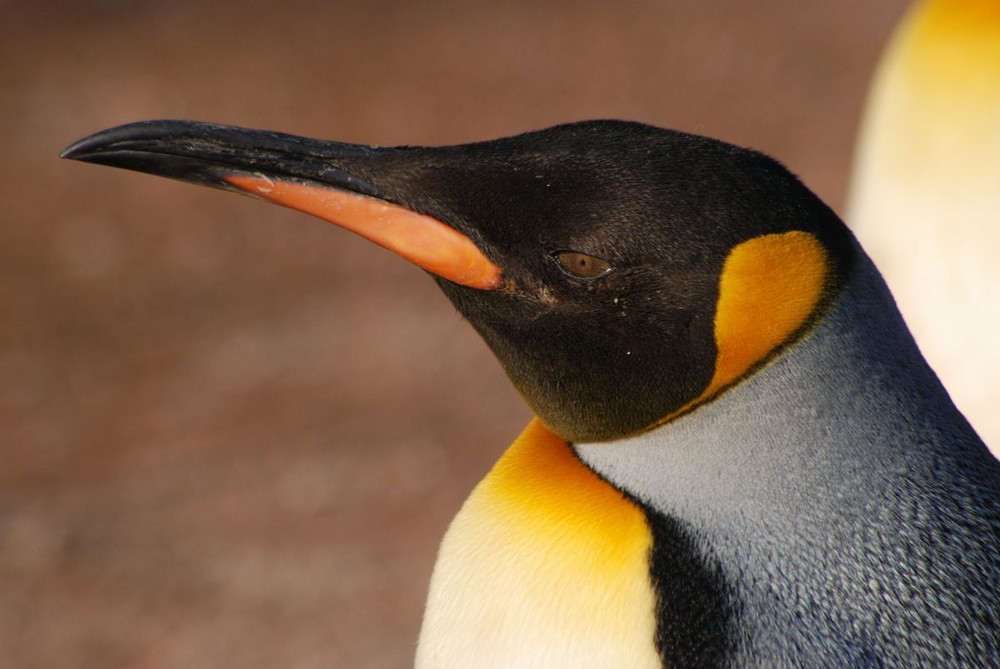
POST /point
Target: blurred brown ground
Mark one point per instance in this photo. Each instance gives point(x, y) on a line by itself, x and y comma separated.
point(231, 435)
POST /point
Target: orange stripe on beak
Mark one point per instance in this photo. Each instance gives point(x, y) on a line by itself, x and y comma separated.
point(424, 241)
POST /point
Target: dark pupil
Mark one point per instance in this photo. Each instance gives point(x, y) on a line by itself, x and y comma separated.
point(583, 265)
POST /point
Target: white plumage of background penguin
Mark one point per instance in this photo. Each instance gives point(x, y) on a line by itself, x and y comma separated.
point(925, 196)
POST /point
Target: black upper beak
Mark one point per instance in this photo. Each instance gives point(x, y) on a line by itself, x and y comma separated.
point(202, 152)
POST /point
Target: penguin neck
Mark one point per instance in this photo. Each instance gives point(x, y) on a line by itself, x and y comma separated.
point(800, 472)
point(808, 422)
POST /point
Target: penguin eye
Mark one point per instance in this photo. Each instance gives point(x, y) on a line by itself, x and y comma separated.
point(581, 265)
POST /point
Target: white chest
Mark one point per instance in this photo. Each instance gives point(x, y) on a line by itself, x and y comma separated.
point(546, 566)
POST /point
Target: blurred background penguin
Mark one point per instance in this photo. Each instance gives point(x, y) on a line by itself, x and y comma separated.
point(925, 193)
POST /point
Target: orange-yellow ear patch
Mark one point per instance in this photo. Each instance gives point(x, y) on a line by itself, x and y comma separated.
point(769, 288)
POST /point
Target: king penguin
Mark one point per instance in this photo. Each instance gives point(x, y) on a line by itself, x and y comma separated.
point(925, 193)
point(739, 458)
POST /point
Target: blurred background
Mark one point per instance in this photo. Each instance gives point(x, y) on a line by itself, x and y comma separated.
point(232, 435)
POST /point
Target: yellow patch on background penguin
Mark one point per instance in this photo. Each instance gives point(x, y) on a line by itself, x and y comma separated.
point(951, 44)
point(546, 565)
point(938, 91)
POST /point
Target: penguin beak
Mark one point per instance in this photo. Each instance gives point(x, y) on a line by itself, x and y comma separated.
point(308, 175)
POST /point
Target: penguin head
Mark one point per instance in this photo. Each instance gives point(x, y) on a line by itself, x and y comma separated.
point(623, 274)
